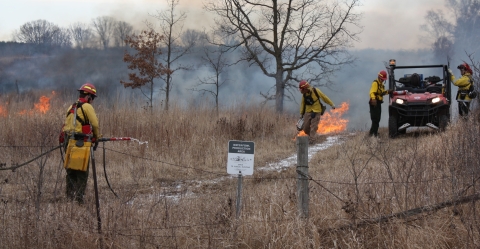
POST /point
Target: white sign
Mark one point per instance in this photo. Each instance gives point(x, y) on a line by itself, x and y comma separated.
point(240, 157)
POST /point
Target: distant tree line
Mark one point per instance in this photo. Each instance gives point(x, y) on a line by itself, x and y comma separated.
point(456, 31)
point(102, 32)
point(288, 42)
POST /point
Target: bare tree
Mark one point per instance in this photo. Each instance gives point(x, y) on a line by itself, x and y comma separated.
point(191, 36)
point(171, 28)
point(461, 34)
point(443, 48)
point(144, 63)
point(437, 25)
point(121, 31)
point(104, 26)
point(440, 34)
point(467, 27)
point(290, 39)
point(62, 38)
point(216, 60)
point(40, 33)
point(81, 34)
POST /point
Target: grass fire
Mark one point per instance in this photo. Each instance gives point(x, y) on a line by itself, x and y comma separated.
point(175, 192)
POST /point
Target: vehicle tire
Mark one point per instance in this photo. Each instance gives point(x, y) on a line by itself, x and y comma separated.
point(443, 122)
point(392, 125)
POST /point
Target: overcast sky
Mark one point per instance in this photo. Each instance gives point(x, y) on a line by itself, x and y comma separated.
point(388, 24)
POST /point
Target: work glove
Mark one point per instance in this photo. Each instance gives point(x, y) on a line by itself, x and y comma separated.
point(333, 106)
point(373, 102)
point(301, 116)
point(450, 71)
point(390, 91)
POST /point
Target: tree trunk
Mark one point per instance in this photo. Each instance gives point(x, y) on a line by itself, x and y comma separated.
point(167, 91)
point(280, 91)
point(151, 96)
point(169, 66)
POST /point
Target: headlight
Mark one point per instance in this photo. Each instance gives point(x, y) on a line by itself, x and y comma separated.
point(399, 101)
point(435, 100)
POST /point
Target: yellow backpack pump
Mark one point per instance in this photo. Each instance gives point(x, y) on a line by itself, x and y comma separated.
point(77, 155)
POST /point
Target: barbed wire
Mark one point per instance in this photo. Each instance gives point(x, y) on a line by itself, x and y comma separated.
point(23, 146)
point(13, 168)
point(381, 182)
point(310, 178)
point(283, 178)
point(317, 181)
point(171, 164)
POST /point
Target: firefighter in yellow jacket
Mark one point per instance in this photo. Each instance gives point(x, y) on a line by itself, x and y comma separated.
point(464, 83)
point(81, 124)
point(312, 106)
point(377, 91)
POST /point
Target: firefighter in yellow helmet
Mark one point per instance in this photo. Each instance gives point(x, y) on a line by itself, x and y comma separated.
point(81, 124)
point(312, 106)
point(377, 91)
point(465, 86)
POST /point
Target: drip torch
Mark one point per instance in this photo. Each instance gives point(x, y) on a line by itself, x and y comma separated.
point(103, 139)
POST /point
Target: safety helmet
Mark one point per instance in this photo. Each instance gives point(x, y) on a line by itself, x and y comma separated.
point(465, 66)
point(382, 75)
point(303, 84)
point(88, 88)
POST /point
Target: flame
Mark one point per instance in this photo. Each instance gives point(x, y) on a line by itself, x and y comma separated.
point(44, 105)
point(3, 111)
point(332, 122)
point(302, 133)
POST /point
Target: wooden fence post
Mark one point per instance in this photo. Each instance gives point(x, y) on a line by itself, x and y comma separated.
point(302, 173)
point(239, 195)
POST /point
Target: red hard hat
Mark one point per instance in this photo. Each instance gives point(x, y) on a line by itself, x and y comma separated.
point(466, 67)
point(303, 84)
point(88, 88)
point(382, 75)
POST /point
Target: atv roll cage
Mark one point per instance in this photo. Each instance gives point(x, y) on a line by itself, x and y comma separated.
point(418, 101)
point(417, 88)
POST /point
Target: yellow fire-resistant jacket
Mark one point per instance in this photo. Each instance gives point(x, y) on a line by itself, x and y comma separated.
point(92, 118)
point(316, 107)
point(463, 83)
point(377, 90)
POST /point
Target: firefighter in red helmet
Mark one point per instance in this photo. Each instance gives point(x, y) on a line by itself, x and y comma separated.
point(81, 129)
point(377, 91)
point(465, 88)
point(312, 106)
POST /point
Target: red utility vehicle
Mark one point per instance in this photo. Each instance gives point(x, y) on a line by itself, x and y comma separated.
point(417, 100)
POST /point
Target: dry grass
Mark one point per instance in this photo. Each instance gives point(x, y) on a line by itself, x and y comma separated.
point(174, 191)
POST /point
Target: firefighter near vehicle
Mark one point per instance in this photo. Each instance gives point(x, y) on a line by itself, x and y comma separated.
point(418, 101)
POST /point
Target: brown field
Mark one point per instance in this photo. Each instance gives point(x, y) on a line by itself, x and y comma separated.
point(416, 191)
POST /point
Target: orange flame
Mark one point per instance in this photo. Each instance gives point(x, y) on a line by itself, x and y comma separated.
point(301, 134)
point(3, 111)
point(23, 112)
point(332, 122)
point(44, 105)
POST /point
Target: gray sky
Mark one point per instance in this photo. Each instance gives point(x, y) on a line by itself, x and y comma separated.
point(388, 24)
